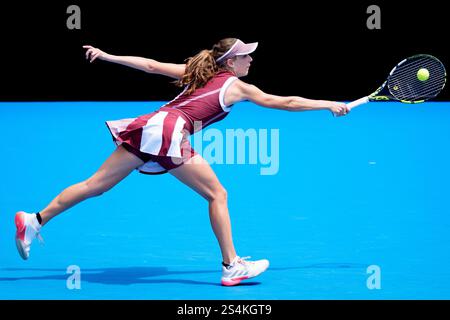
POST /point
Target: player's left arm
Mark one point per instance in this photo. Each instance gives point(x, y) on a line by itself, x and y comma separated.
point(144, 64)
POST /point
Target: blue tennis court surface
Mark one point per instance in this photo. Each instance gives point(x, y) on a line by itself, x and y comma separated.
point(369, 189)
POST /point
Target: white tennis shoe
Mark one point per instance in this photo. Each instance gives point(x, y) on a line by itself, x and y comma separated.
point(28, 228)
point(241, 269)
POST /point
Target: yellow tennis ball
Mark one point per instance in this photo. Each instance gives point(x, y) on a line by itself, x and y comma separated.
point(423, 74)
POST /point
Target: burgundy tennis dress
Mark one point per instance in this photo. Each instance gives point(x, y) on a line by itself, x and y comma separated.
point(160, 138)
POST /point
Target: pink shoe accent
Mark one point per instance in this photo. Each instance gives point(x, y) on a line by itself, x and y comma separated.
point(20, 225)
point(234, 281)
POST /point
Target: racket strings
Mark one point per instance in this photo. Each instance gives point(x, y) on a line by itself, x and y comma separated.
point(404, 84)
point(410, 92)
point(411, 67)
point(410, 72)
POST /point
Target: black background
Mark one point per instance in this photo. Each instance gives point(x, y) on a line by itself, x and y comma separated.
point(316, 49)
point(281, 309)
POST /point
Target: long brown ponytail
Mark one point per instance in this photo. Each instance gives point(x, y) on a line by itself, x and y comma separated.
point(202, 67)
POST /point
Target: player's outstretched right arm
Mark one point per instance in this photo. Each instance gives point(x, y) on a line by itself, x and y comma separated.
point(240, 91)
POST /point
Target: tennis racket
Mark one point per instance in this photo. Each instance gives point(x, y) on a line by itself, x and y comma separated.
point(416, 79)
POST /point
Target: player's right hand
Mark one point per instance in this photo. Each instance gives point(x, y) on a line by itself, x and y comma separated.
point(338, 108)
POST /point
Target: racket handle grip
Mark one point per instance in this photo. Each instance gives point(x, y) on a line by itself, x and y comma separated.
point(358, 102)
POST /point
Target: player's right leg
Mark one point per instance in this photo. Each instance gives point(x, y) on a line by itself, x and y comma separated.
point(199, 176)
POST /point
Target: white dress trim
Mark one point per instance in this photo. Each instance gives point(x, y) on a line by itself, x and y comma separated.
point(225, 86)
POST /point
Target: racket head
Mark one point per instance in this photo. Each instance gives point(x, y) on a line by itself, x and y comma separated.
point(403, 83)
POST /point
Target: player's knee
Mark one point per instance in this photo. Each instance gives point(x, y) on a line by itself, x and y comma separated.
point(95, 188)
point(219, 193)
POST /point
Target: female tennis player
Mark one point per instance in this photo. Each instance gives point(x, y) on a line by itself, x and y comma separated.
point(157, 142)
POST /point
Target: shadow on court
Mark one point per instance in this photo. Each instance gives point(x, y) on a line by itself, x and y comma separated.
point(140, 275)
point(118, 276)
